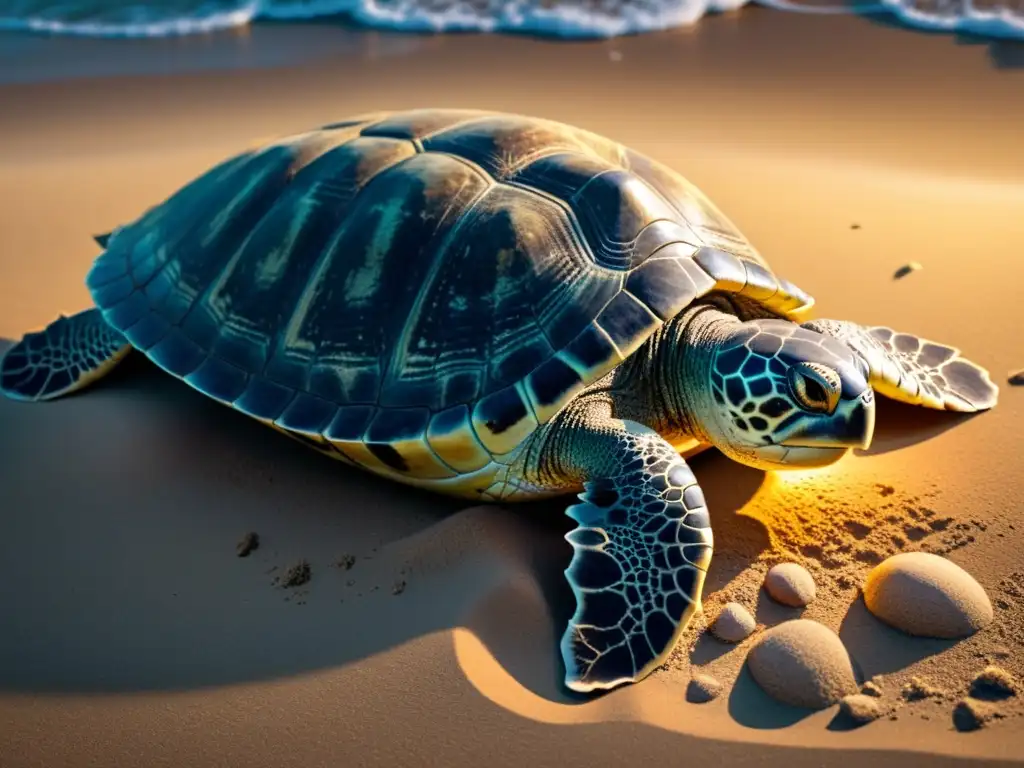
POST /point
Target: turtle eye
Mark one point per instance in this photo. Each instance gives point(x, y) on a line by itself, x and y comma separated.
point(816, 387)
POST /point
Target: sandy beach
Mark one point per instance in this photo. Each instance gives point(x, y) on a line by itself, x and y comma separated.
point(133, 635)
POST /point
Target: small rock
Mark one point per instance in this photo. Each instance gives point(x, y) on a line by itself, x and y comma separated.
point(702, 689)
point(926, 595)
point(917, 689)
point(345, 562)
point(802, 663)
point(860, 708)
point(790, 584)
point(993, 683)
point(1016, 378)
point(399, 587)
point(906, 269)
point(615, 56)
point(248, 543)
point(871, 688)
point(970, 714)
point(733, 624)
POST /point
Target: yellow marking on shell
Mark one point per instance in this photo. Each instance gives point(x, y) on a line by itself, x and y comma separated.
point(511, 436)
point(357, 452)
point(595, 372)
point(319, 439)
point(458, 447)
point(545, 413)
point(468, 485)
point(506, 459)
point(790, 300)
point(727, 270)
point(420, 460)
point(761, 285)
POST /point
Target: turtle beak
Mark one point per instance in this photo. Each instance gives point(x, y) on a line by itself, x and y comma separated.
point(867, 411)
point(851, 426)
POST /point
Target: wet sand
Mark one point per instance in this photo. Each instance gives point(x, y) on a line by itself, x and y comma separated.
point(134, 635)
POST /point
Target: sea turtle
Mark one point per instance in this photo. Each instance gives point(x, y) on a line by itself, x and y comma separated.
point(498, 307)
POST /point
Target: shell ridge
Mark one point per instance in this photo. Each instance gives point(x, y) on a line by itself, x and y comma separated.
point(429, 281)
point(289, 328)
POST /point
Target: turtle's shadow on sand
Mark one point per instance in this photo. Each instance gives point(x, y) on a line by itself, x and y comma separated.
point(127, 500)
point(124, 505)
point(899, 425)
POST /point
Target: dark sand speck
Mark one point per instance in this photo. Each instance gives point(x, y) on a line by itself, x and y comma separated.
point(248, 543)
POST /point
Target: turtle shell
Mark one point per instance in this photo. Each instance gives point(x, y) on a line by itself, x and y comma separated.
point(418, 291)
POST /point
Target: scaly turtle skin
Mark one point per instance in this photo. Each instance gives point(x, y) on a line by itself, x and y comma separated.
point(498, 307)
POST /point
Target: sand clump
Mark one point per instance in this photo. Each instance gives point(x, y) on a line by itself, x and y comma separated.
point(860, 708)
point(928, 596)
point(802, 663)
point(295, 576)
point(790, 584)
point(872, 688)
point(734, 623)
point(993, 683)
point(970, 714)
point(918, 689)
point(703, 688)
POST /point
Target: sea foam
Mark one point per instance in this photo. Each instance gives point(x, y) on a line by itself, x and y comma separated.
point(552, 18)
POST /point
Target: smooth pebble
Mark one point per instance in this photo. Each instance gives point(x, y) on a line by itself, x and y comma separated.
point(733, 624)
point(928, 596)
point(803, 663)
point(790, 584)
point(702, 689)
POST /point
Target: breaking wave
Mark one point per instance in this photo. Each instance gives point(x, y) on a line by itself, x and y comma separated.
point(553, 18)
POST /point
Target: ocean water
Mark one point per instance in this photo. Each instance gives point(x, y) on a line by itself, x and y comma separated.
point(555, 18)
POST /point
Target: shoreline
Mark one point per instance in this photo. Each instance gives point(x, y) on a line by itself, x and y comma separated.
point(837, 102)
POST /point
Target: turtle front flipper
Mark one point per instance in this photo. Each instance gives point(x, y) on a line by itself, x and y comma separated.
point(641, 553)
point(915, 370)
point(69, 354)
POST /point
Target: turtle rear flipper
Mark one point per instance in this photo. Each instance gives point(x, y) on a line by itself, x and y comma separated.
point(69, 354)
point(914, 370)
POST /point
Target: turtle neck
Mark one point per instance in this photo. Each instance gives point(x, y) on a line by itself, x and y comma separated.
point(666, 384)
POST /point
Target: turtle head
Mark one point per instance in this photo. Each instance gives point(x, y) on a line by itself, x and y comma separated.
point(782, 396)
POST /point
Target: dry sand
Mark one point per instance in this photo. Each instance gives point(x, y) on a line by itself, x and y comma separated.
point(133, 634)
